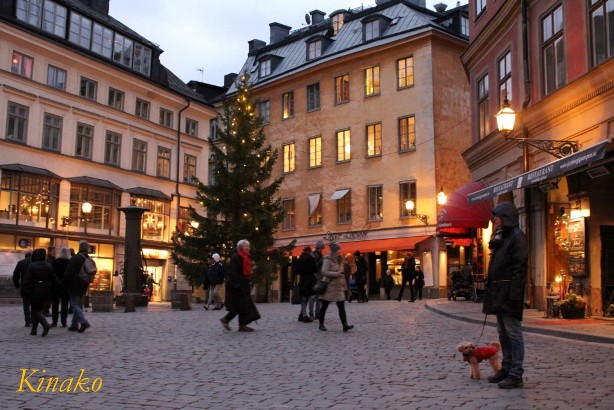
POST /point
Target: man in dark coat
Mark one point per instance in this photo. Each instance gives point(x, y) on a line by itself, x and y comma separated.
point(314, 303)
point(215, 278)
point(504, 295)
point(408, 272)
point(18, 273)
point(360, 276)
point(36, 285)
point(306, 269)
point(77, 288)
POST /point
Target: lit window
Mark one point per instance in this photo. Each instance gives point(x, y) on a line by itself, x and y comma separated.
point(22, 64)
point(407, 192)
point(337, 21)
point(342, 89)
point(375, 205)
point(289, 215)
point(374, 140)
point(289, 157)
point(407, 133)
point(287, 104)
point(344, 208)
point(405, 72)
point(315, 152)
point(344, 148)
point(372, 80)
point(315, 209)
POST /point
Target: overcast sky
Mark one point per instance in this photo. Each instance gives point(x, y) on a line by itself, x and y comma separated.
point(204, 40)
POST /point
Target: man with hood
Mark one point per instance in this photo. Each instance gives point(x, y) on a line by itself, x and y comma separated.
point(504, 295)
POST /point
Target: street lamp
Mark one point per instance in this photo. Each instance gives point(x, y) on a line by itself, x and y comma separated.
point(410, 205)
point(441, 197)
point(86, 209)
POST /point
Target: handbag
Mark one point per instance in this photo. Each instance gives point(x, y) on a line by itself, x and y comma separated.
point(320, 287)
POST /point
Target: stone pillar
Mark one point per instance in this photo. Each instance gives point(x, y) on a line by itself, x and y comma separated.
point(132, 256)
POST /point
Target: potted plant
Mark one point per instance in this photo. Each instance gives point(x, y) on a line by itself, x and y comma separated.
point(572, 306)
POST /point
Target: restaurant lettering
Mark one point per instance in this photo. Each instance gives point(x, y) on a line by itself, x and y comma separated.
point(347, 235)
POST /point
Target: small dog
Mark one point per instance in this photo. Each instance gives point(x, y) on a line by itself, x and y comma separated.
point(475, 355)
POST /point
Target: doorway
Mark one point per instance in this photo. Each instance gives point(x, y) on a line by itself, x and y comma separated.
point(607, 266)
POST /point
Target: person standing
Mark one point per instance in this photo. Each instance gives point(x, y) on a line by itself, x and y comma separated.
point(419, 282)
point(205, 280)
point(306, 269)
point(388, 283)
point(332, 270)
point(215, 276)
point(118, 284)
point(18, 273)
point(238, 299)
point(150, 282)
point(408, 270)
point(314, 301)
point(77, 288)
point(361, 276)
point(59, 294)
point(36, 285)
point(504, 294)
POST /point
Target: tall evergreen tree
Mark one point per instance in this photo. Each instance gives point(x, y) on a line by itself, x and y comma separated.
point(239, 197)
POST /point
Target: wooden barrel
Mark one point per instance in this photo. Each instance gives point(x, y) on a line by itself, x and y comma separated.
point(102, 300)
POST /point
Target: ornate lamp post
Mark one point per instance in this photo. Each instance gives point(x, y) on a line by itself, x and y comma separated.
point(132, 256)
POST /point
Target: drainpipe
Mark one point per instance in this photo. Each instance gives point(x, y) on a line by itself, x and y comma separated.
point(177, 194)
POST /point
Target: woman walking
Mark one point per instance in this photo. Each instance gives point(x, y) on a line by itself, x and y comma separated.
point(332, 269)
point(37, 286)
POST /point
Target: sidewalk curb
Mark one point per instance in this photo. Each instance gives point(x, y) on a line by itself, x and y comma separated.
point(529, 329)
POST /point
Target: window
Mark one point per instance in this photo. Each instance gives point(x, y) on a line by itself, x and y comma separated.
point(163, 163)
point(264, 111)
point(602, 30)
point(139, 155)
point(30, 11)
point(265, 68)
point(480, 6)
point(407, 133)
point(289, 157)
point(105, 203)
point(289, 216)
point(553, 51)
point(407, 192)
point(102, 41)
point(213, 129)
point(28, 198)
point(155, 221)
point(142, 59)
point(314, 49)
point(315, 152)
point(54, 19)
point(85, 135)
point(344, 207)
point(116, 99)
point(189, 168)
point(405, 72)
point(17, 122)
point(52, 132)
point(313, 97)
point(483, 107)
point(372, 80)
point(191, 127)
point(141, 108)
point(315, 209)
point(112, 148)
point(88, 88)
point(371, 30)
point(122, 50)
point(505, 76)
point(166, 118)
point(287, 104)
point(375, 207)
point(80, 30)
point(337, 21)
point(343, 146)
point(464, 26)
point(56, 77)
point(342, 89)
point(374, 139)
point(22, 64)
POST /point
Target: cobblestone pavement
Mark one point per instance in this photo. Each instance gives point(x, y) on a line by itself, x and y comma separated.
point(400, 355)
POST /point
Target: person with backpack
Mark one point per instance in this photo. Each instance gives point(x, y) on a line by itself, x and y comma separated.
point(77, 287)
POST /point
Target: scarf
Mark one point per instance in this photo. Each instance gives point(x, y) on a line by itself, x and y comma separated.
point(247, 264)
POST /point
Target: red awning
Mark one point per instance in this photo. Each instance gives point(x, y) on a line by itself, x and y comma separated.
point(458, 216)
point(375, 245)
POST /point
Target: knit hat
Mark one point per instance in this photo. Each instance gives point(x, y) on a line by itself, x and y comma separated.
point(319, 245)
point(216, 257)
point(334, 246)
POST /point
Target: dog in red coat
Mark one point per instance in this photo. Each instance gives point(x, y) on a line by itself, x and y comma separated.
point(475, 355)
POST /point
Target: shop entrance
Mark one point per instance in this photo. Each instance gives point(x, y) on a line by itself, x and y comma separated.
point(607, 266)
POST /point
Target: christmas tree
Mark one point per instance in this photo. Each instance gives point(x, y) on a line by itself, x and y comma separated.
point(239, 197)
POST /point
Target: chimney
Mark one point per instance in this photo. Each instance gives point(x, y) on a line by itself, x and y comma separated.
point(101, 6)
point(255, 45)
point(421, 3)
point(378, 2)
point(317, 17)
point(278, 32)
point(440, 7)
point(229, 79)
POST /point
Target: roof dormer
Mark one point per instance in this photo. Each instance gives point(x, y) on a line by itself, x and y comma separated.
point(316, 46)
point(374, 26)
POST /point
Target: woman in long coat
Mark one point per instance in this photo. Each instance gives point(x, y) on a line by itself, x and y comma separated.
point(238, 289)
point(306, 269)
point(332, 269)
point(37, 283)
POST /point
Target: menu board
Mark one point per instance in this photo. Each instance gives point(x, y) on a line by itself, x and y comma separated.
point(577, 251)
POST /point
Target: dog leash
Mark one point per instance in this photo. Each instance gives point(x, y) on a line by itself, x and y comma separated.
point(482, 332)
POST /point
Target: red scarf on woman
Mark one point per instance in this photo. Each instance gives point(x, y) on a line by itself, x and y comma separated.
point(247, 264)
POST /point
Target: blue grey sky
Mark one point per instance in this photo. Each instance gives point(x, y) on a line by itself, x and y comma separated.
point(204, 40)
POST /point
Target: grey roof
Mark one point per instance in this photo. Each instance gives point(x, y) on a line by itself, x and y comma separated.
point(95, 181)
point(30, 170)
point(153, 193)
point(410, 20)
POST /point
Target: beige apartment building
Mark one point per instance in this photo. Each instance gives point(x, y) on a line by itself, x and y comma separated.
point(369, 110)
point(91, 122)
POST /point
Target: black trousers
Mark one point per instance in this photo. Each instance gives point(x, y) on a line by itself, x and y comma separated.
point(340, 307)
point(26, 309)
point(409, 280)
point(59, 307)
point(38, 316)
